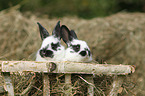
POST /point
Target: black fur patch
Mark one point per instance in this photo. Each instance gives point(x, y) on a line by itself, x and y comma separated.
point(46, 53)
point(49, 53)
point(55, 46)
point(76, 48)
point(83, 53)
point(89, 53)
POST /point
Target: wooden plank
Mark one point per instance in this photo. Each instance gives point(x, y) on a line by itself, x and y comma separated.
point(116, 85)
point(88, 68)
point(46, 85)
point(8, 83)
point(68, 85)
point(21, 66)
point(66, 67)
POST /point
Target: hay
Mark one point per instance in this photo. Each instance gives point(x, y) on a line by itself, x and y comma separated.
point(115, 39)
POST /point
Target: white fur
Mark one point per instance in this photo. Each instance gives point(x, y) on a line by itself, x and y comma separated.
point(58, 55)
point(76, 57)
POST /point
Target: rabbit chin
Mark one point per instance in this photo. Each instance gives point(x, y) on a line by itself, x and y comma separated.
point(58, 56)
point(75, 57)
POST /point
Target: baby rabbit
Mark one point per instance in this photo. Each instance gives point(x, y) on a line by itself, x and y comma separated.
point(78, 50)
point(51, 49)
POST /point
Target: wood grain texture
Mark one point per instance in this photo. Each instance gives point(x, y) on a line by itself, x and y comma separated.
point(66, 67)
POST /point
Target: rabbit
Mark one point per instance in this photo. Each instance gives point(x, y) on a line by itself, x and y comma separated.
point(77, 50)
point(51, 48)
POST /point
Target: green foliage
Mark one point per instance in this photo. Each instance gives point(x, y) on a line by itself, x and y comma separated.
point(8, 3)
point(81, 8)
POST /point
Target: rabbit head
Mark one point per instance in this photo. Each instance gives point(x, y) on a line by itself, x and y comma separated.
point(77, 50)
point(51, 48)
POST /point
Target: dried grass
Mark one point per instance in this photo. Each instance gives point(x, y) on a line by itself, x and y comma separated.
point(115, 39)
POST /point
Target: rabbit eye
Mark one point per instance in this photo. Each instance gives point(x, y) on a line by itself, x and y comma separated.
point(76, 48)
point(83, 53)
point(55, 46)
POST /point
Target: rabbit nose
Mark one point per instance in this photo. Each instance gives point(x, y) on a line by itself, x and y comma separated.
point(46, 53)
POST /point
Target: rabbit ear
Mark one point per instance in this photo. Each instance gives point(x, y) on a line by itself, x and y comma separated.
point(56, 31)
point(73, 34)
point(65, 34)
point(43, 32)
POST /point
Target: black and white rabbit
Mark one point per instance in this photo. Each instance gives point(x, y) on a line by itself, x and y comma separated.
point(51, 48)
point(77, 50)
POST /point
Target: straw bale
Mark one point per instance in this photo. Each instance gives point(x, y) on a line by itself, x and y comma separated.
point(116, 39)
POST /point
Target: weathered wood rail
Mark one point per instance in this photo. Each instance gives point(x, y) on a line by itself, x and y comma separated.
point(63, 67)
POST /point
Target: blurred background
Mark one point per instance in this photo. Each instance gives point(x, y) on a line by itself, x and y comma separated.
point(86, 9)
point(113, 29)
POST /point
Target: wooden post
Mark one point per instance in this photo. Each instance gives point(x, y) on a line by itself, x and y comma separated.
point(8, 83)
point(116, 85)
point(46, 85)
point(68, 86)
point(89, 78)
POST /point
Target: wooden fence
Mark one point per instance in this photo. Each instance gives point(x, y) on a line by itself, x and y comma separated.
point(64, 67)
